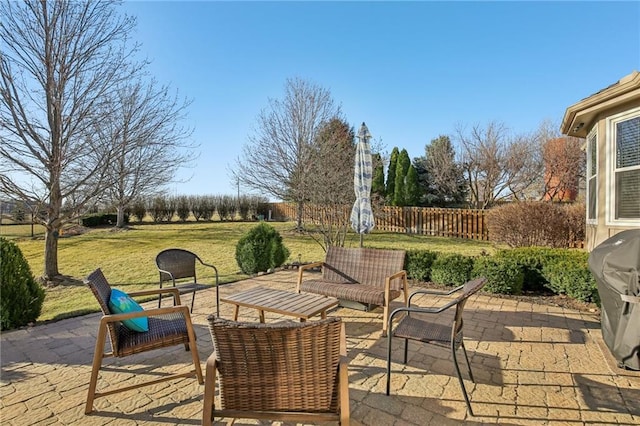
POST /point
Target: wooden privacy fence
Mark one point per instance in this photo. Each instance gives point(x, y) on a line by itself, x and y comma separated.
point(457, 223)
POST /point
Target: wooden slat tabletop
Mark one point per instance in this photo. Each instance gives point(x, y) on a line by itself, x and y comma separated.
point(299, 305)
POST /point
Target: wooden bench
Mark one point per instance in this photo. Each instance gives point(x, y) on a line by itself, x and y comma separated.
point(365, 275)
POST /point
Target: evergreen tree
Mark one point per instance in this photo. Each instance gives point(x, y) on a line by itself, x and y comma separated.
point(391, 174)
point(402, 167)
point(377, 185)
point(411, 187)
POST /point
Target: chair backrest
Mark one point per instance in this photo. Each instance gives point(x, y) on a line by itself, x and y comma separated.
point(469, 289)
point(363, 265)
point(101, 289)
point(286, 366)
point(180, 263)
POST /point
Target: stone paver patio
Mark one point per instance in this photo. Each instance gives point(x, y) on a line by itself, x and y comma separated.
point(533, 365)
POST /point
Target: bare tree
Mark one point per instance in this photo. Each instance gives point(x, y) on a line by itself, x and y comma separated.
point(445, 183)
point(149, 143)
point(564, 163)
point(277, 158)
point(58, 62)
point(330, 192)
point(498, 165)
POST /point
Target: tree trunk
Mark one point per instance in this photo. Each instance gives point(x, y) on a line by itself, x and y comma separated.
point(120, 221)
point(299, 216)
point(51, 253)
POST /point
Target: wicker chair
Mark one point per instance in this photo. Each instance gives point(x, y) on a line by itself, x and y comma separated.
point(167, 327)
point(412, 327)
point(281, 371)
point(178, 265)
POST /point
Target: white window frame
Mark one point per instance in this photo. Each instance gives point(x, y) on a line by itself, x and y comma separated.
point(592, 134)
point(611, 167)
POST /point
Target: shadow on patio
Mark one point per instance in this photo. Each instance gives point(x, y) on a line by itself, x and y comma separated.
point(532, 363)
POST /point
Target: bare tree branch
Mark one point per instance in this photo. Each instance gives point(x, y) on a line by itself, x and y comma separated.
point(58, 63)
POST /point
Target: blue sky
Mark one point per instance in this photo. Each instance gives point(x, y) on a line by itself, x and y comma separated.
point(411, 70)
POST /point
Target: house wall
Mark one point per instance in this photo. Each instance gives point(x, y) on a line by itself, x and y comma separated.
point(595, 234)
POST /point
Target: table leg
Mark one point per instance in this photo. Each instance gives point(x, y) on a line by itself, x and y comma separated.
point(323, 314)
point(261, 313)
point(235, 313)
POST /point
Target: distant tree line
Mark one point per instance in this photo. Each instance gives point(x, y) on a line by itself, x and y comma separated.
point(161, 208)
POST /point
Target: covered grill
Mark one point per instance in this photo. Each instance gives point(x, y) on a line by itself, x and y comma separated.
point(615, 264)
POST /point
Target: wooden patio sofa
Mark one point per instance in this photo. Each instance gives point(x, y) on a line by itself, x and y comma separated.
point(365, 275)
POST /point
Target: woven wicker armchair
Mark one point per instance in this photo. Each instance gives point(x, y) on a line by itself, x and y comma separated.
point(178, 266)
point(282, 371)
point(167, 327)
point(415, 327)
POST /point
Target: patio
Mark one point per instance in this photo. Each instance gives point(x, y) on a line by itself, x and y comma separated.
point(533, 364)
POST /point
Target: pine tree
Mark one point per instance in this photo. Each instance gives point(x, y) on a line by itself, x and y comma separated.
point(377, 185)
point(402, 167)
point(412, 188)
point(391, 174)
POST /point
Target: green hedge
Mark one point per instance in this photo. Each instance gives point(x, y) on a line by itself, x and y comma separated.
point(451, 269)
point(418, 263)
point(260, 249)
point(504, 275)
point(102, 219)
point(513, 271)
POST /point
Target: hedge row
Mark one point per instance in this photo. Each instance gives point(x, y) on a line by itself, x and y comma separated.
point(525, 269)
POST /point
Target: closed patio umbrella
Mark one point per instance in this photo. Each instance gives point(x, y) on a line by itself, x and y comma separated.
point(361, 214)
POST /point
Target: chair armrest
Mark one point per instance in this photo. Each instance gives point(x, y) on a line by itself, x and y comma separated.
point(303, 268)
point(162, 271)
point(397, 275)
point(159, 291)
point(433, 292)
point(210, 266)
point(146, 313)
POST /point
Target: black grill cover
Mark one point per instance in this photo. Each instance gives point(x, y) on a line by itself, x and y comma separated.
point(615, 264)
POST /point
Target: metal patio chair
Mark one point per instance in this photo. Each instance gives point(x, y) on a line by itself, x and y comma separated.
point(179, 267)
point(414, 326)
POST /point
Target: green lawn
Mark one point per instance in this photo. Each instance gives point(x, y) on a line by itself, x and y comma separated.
point(127, 258)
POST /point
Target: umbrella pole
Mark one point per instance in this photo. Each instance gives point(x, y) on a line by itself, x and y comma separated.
point(361, 240)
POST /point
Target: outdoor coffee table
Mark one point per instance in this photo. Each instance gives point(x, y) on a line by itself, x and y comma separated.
point(299, 305)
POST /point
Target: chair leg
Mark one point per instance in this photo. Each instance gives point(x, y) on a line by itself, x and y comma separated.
point(464, 351)
point(464, 390)
point(209, 391)
point(389, 336)
point(193, 299)
point(406, 350)
point(95, 368)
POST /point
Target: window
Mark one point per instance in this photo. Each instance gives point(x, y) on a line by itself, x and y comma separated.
point(592, 176)
point(625, 173)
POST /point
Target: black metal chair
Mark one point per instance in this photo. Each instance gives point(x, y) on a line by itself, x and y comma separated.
point(179, 267)
point(415, 327)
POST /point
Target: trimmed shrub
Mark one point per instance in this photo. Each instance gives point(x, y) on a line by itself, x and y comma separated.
point(260, 250)
point(418, 263)
point(530, 260)
point(138, 210)
point(21, 297)
point(504, 275)
point(571, 276)
point(183, 210)
point(451, 269)
point(529, 223)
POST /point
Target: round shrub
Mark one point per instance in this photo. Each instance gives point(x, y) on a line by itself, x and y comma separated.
point(504, 276)
point(451, 269)
point(21, 297)
point(418, 264)
point(260, 249)
point(573, 278)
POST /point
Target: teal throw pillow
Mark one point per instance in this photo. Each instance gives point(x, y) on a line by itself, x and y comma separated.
point(121, 303)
